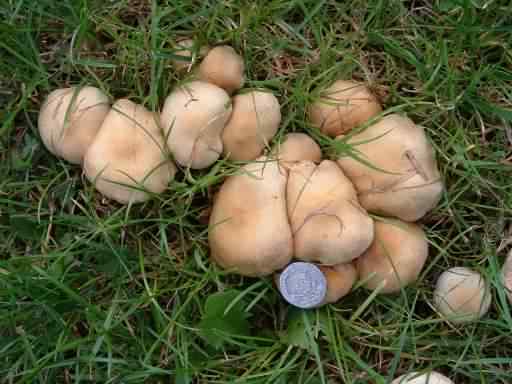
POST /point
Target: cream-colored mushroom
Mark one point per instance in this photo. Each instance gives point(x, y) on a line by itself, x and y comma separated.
point(340, 280)
point(329, 226)
point(462, 295)
point(395, 258)
point(127, 158)
point(254, 122)
point(69, 120)
point(296, 147)
point(223, 67)
point(425, 378)
point(249, 231)
point(506, 275)
point(187, 53)
point(395, 171)
point(342, 106)
point(193, 118)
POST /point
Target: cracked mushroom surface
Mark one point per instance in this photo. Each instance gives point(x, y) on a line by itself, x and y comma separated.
point(426, 378)
point(249, 231)
point(329, 226)
point(398, 176)
point(127, 158)
point(69, 120)
point(193, 118)
point(342, 106)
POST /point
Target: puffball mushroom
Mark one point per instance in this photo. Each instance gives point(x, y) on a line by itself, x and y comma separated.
point(193, 118)
point(253, 123)
point(398, 174)
point(223, 67)
point(127, 157)
point(249, 230)
point(188, 51)
point(426, 378)
point(506, 275)
point(340, 280)
point(342, 106)
point(296, 147)
point(69, 120)
point(395, 258)
point(462, 295)
point(329, 226)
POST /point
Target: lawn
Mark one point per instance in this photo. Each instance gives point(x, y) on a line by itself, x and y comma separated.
point(92, 291)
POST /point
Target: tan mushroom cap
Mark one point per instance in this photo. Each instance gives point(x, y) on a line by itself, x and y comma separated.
point(249, 230)
point(69, 120)
point(395, 258)
point(342, 106)
point(127, 157)
point(254, 122)
point(188, 53)
point(404, 181)
point(506, 275)
point(195, 114)
point(223, 67)
point(340, 280)
point(426, 378)
point(296, 147)
point(329, 226)
point(462, 295)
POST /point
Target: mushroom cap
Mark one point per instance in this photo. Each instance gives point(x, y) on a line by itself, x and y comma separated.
point(404, 181)
point(296, 147)
point(253, 123)
point(69, 120)
point(506, 275)
point(426, 378)
point(329, 226)
point(249, 230)
point(462, 295)
point(195, 114)
point(127, 157)
point(340, 280)
point(187, 51)
point(342, 106)
point(395, 258)
point(223, 67)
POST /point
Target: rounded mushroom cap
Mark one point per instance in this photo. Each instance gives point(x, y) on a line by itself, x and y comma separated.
point(462, 295)
point(253, 123)
point(249, 230)
point(69, 120)
point(403, 180)
point(127, 157)
point(187, 52)
point(223, 67)
point(340, 280)
point(296, 147)
point(506, 275)
point(195, 114)
point(342, 106)
point(426, 378)
point(395, 258)
point(328, 224)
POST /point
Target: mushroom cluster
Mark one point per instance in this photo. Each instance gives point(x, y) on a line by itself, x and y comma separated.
point(353, 215)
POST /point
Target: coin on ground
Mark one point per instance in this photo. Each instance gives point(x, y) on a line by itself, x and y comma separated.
point(303, 285)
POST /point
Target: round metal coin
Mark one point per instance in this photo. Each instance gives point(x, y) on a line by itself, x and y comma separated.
point(303, 285)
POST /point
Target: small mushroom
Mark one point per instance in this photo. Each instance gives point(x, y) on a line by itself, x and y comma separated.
point(342, 106)
point(187, 52)
point(193, 118)
point(296, 147)
point(462, 295)
point(395, 258)
point(223, 67)
point(249, 230)
point(329, 226)
point(127, 158)
point(394, 169)
point(253, 123)
point(425, 378)
point(69, 120)
point(340, 280)
point(506, 275)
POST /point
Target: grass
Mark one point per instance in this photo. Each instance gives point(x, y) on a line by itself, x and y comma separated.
point(91, 291)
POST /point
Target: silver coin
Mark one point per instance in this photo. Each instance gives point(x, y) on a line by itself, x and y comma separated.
point(303, 285)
